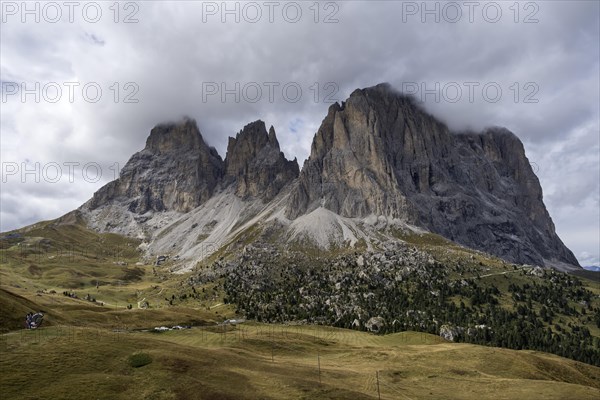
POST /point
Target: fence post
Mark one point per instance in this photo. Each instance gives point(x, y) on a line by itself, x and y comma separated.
point(319, 363)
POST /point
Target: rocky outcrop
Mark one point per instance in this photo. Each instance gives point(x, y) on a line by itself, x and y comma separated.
point(176, 171)
point(380, 153)
point(375, 324)
point(255, 163)
point(451, 333)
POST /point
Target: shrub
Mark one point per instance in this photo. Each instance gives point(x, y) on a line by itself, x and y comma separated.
point(137, 360)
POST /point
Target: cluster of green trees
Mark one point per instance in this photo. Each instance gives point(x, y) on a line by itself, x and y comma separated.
point(533, 316)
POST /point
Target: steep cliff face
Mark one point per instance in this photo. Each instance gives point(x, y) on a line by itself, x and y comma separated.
point(365, 153)
point(176, 171)
point(380, 153)
point(255, 163)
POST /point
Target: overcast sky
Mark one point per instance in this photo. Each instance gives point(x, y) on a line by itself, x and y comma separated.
point(533, 68)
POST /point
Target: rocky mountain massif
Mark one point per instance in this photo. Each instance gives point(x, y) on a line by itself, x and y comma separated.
point(378, 153)
point(378, 162)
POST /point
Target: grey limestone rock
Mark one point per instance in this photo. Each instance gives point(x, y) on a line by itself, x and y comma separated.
point(256, 165)
point(380, 153)
point(176, 170)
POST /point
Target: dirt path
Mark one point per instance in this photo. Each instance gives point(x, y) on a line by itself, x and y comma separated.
point(499, 273)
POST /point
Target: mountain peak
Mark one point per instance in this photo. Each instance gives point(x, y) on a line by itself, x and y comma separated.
point(176, 170)
point(273, 137)
point(383, 87)
point(256, 164)
point(380, 92)
point(174, 136)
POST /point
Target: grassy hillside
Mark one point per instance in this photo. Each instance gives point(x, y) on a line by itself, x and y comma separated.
point(277, 362)
point(104, 349)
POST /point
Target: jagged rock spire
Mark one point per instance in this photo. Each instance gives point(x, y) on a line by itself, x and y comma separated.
point(255, 163)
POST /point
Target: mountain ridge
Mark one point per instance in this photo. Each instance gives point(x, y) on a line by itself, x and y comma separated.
point(377, 154)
